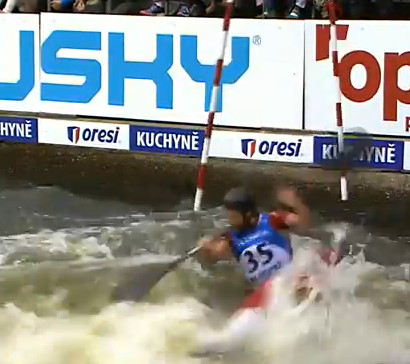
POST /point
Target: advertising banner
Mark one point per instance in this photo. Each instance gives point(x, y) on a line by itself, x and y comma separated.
point(380, 154)
point(162, 69)
point(83, 134)
point(374, 62)
point(177, 141)
point(19, 70)
point(262, 146)
point(19, 130)
point(406, 157)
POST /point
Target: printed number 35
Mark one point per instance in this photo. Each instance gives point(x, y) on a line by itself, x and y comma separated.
point(263, 252)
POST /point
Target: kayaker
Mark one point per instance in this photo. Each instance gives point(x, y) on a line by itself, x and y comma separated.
point(259, 240)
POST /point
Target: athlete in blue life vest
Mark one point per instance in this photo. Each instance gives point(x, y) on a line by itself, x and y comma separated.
point(258, 240)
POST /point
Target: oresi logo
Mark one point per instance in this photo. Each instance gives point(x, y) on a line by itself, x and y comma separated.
point(248, 147)
point(271, 147)
point(73, 134)
point(100, 135)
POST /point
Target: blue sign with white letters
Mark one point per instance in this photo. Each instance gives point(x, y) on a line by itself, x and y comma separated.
point(178, 141)
point(119, 69)
point(19, 130)
point(379, 153)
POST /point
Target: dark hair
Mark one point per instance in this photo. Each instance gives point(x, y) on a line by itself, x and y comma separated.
point(241, 200)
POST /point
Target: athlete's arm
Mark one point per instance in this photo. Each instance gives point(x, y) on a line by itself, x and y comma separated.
point(215, 248)
point(298, 219)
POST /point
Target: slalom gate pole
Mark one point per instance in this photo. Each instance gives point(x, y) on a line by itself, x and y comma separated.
point(338, 105)
point(200, 186)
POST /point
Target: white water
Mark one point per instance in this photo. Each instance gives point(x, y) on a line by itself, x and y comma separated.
point(362, 319)
point(356, 331)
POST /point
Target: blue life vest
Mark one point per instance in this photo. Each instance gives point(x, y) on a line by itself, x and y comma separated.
point(261, 250)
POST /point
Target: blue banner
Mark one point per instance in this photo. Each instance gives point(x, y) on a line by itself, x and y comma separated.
point(368, 153)
point(19, 130)
point(166, 140)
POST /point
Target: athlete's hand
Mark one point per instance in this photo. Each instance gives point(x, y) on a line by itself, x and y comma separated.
point(288, 196)
point(215, 248)
point(205, 243)
point(207, 246)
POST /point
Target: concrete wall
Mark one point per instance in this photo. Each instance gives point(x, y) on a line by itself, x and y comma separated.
point(163, 181)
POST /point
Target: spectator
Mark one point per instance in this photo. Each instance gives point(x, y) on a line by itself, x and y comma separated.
point(183, 8)
point(78, 6)
point(269, 9)
point(158, 8)
point(25, 6)
point(296, 10)
point(293, 9)
point(10, 6)
point(320, 7)
point(89, 6)
point(62, 5)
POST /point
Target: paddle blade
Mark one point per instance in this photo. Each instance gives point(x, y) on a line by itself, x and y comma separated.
point(141, 280)
point(144, 277)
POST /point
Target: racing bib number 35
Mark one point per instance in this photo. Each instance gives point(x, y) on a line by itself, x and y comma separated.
point(263, 257)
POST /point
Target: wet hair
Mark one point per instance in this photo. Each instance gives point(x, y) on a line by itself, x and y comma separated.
point(241, 200)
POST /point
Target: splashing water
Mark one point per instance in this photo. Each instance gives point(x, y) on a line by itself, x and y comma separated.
point(56, 307)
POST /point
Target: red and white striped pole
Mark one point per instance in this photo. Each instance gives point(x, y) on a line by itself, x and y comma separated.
point(200, 186)
point(338, 105)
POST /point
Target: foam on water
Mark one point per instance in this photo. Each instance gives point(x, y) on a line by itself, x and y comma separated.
point(121, 333)
point(363, 317)
point(340, 330)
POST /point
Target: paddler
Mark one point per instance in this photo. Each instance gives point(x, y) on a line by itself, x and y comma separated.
point(259, 241)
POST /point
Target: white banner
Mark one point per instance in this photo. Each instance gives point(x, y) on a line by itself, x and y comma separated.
point(162, 69)
point(262, 146)
point(375, 75)
point(84, 134)
point(19, 62)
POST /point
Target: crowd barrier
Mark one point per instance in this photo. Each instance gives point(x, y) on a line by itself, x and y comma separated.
point(278, 75)
point(382, 154)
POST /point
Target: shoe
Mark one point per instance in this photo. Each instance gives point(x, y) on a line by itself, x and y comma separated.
point(183, 10)
point(155, 9)
point(295, 13)
point(268, 14)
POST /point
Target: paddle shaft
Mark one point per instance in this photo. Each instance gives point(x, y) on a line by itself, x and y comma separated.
point(189, 254)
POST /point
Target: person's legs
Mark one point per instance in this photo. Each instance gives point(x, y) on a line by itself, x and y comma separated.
point(321, 8)
point(297, 9)
point(269, 9)
point(155, 9)
point(301, 3)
